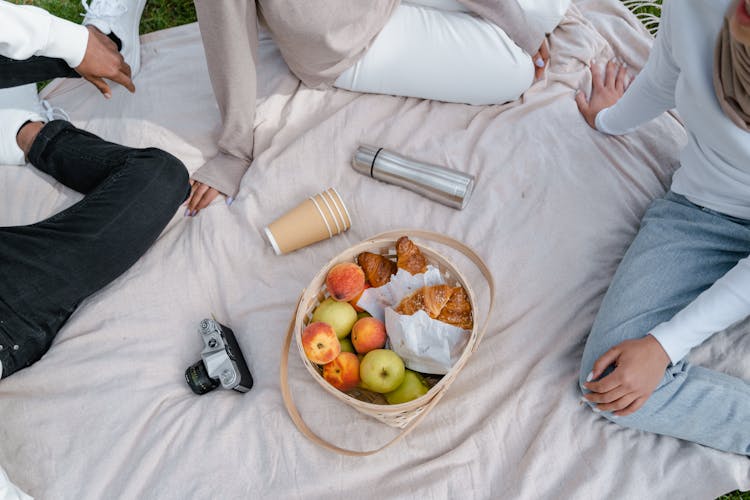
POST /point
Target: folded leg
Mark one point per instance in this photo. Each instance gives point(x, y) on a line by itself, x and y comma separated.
point(680, 251)
point(48, 268)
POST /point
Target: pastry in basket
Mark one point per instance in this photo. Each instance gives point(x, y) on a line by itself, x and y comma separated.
point(430, 299)
point(409, 257)
point(378, 269)
point(457, 311)
point(441, 302)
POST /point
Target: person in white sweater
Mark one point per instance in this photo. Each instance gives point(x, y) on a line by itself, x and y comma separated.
point(686, 275)
point(48, 268)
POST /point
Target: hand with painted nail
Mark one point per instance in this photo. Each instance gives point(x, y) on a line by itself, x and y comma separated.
point(606, 90)
point(540, 60)
point(200, 197)
point(639, 367)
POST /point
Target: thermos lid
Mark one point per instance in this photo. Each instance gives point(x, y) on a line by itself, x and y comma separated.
point(364, 159)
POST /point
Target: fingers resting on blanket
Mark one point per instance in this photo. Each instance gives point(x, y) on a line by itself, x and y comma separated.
point(201, 195)
point(639, 367)
point(606, 89)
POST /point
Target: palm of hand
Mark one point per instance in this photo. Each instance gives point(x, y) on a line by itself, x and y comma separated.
point(606, 90)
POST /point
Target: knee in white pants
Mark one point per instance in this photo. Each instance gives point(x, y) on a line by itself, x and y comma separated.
point(446, 56)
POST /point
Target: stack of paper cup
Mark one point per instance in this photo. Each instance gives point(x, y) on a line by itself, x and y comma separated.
point(317, 218)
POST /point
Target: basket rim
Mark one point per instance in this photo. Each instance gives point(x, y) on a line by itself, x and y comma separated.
point(446, 380)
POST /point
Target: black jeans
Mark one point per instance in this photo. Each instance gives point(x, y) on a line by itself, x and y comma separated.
point(37, 69)
point(48, 268)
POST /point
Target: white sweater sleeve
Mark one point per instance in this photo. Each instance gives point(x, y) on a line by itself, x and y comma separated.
point(27, 31)
point(726, 302)
point(652, 91)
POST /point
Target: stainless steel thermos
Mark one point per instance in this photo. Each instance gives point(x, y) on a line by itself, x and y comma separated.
point(444, 185)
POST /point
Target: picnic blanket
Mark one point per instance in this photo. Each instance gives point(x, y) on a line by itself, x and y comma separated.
point(107, 413)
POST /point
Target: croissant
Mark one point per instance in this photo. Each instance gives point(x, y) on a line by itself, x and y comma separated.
point(378, 269)
point(430, 299)
point(457, 311)
point(409, 256)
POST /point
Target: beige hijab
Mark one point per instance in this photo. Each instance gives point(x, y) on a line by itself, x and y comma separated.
point(732, 71)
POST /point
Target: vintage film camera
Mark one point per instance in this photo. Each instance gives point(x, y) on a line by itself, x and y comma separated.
point(221, 361)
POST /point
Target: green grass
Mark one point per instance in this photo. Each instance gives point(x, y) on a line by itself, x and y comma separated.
point(158, 14)
point(161, 14)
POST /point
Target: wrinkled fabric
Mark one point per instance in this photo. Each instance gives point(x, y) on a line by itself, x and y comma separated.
point(555, 206)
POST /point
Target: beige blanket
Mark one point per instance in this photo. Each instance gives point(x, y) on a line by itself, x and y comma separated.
point(107, 414)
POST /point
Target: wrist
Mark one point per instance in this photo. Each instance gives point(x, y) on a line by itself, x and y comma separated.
point(658, 350)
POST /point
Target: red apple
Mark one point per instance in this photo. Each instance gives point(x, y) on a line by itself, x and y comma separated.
point(320, 343)
point(345, 281)
point(368, 334)
point(343, 372)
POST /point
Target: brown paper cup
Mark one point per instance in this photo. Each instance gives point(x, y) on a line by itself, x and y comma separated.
point(338, 204)
point(317, 218)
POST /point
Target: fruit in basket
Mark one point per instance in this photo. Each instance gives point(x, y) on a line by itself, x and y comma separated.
point(345, 281)
point(368, 334)
point(381, 370)
point(354, 301)
point(413, 386)
point(346, 345)
point(363, 314)
point(343, 372)
point(320, 343)
point(340, 315)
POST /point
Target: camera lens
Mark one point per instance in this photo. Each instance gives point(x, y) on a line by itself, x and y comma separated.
point(198, 379)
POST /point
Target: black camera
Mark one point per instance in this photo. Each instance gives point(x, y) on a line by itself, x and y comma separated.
point(222, 362)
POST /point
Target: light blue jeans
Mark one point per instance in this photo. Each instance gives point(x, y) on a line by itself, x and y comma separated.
point(681, 249)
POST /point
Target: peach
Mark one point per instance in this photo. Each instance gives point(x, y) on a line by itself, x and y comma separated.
point(345, 281)
point(343, 372)
point(368, 334)
point(353, 302)
point(320, 343)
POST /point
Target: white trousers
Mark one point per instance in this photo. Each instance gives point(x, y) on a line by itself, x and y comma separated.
point(437, 49)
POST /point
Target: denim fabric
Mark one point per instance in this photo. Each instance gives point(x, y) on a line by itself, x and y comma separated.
point(681, 249)
point(48, 268)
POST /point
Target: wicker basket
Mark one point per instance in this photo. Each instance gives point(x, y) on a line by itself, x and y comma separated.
point(406, 415)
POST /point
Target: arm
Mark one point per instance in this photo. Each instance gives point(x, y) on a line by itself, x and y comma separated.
point(652, 91)
point(612, 110)
point(510, 17)
point(230, 40)
point(726, 302)
point(640, 363)
point(27, 31)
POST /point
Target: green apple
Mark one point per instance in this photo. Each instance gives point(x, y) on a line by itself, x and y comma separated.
point(381, 370)
point(411, 388)
point(363, 314)
point(340, 315)
point(346, 345)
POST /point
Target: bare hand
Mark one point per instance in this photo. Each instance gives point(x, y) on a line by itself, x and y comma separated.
point(639, 367)
point(103, 60)
point(540, 60)
point(200, 197)
point(605, 91)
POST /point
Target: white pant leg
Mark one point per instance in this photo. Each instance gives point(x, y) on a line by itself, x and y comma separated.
point(8, 490)
point(442, 55)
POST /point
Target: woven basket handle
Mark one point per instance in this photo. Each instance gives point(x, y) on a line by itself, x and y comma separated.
point(286, 392)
